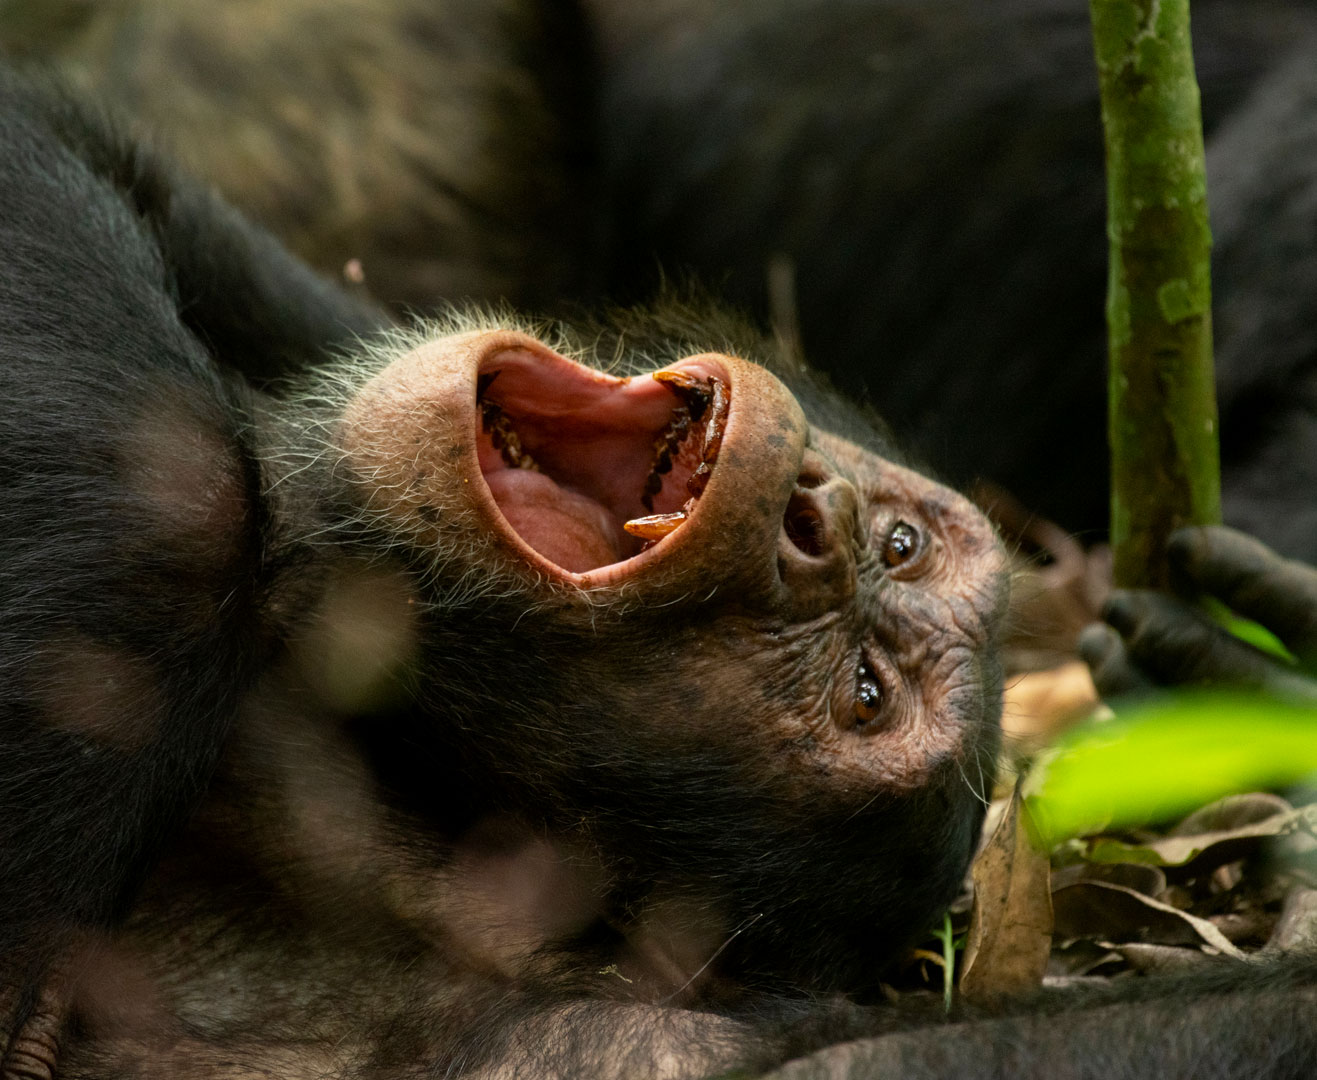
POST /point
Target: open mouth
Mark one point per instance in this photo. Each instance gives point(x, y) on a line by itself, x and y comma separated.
point(589, 469)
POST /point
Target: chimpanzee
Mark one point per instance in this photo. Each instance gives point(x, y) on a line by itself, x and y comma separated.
point(915, 187)
point(515, 694)
point(384, 703)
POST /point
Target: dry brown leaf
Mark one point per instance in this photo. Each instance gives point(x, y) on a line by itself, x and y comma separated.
point(1108, 912)
point(1232, 812)
point(1296, 930)
point(1251, 926)
point(1038, 706)
point(1162, 959)
point(1149, 880)
point(1078, 958)
point(1203, 851)
point(1010, 932)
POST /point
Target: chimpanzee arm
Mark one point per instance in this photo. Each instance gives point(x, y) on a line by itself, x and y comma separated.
point(259, 310)
point(1221, 1023)
point(283, 319)
point(1152, 639)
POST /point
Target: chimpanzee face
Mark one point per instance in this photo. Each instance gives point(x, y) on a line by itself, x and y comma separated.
point(664, 609)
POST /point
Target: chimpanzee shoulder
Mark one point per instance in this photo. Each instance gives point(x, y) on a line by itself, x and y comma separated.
point(97, 372)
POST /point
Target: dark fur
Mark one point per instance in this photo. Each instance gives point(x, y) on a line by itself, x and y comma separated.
point(139, 266)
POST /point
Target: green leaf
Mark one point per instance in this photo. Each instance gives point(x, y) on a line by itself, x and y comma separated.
point(1166, 757)
point(1247, 630)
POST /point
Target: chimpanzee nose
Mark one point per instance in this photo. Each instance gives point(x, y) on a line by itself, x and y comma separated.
point(820, 540)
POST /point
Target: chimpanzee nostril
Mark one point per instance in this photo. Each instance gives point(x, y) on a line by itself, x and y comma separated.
point(818, 545)
point(803, 524)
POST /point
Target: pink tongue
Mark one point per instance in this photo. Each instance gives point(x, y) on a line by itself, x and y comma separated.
point(567, 528)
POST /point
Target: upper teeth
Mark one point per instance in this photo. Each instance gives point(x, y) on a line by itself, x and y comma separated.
point(697, 395)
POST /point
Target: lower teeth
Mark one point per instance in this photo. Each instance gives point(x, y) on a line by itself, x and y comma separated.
point(506, 441)
point(666, 447)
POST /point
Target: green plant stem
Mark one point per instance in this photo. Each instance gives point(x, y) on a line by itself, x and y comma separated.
point(1163, 423)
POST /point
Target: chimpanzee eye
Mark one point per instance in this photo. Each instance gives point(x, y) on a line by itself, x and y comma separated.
point(902, 544)
point(868, 695)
